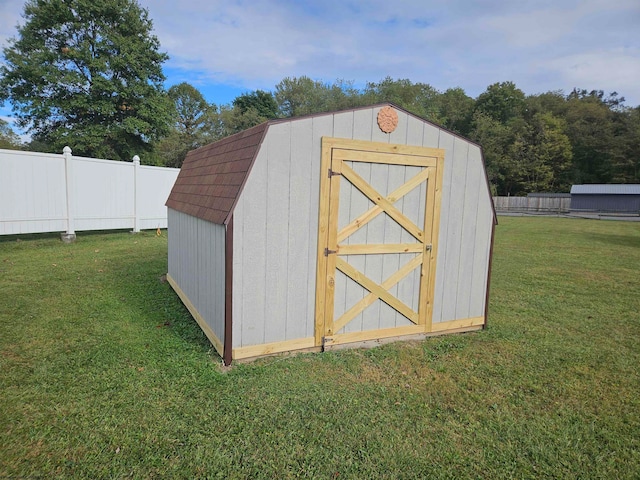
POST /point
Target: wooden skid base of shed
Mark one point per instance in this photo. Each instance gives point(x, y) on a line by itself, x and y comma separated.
point(215, 341)
point(357, 340)
point(402, 338)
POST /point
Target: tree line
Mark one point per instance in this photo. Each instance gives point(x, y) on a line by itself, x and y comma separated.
point(89, 74)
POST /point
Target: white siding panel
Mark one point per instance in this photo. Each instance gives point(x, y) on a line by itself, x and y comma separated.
point(484, 226)
point(196, 263)
point(343, 125)
point(431, 137)
point(300, 247)
point(276, 285)
point(399, 135)
point(415, 131)
point(468, 245)
point(174, 238)
point(481, 261)
point(454, 228)
point(190, 272)
point(363, 124)
point(445, 142)
point(253, 253)
point(214, 256)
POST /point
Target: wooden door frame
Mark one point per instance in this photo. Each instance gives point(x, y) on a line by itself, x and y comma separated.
point(328, 208)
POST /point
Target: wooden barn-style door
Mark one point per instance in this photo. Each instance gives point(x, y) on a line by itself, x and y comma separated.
point(377, 244)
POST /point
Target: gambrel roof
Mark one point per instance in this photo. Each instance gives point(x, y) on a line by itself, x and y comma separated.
point(211, 177)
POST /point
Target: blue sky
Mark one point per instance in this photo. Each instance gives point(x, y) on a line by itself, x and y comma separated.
point(228, 47)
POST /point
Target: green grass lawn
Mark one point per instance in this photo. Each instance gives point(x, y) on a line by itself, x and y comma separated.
point(103, 373)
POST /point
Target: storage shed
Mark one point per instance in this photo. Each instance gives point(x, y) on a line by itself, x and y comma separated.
point(338, 228)
point(603, 198)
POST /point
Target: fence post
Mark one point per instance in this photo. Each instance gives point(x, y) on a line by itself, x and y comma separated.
point(70, 235)
point(136, 193)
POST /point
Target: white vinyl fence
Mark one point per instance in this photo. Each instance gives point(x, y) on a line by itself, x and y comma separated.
point(43, 192)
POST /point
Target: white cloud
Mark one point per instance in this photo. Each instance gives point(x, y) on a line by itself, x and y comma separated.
point(540, 45)
point(611, 70)
point(10, 16)
point(256, 44)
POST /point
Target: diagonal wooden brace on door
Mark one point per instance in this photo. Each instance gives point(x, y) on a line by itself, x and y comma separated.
point(374, 211)
point(372, 297)
point(382, 202)
point(376, 289)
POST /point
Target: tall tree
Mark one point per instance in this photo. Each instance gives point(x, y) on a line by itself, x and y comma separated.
point(455, 110)
point(300, 96)
point(262, 102)
point(8, 138)
point(304, 96)
point(590, 129)
point(194, 125)
point(418, 98)
point(496, 140)
point(88, 74)
point(542, 154)
point(502, 102)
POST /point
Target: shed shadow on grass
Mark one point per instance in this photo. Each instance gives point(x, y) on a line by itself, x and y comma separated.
point(141, 283)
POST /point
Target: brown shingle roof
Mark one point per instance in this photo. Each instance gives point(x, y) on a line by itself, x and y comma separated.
point(212, 176)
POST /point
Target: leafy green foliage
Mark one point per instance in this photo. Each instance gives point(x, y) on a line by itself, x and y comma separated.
point(261, 102)
point(542, 154)
point(87, 74)
point(304, 96)
point(194, 125)
point(8, 138)
point(300, 96)
point(419, 98)
point(455, 110)
point(248, 110)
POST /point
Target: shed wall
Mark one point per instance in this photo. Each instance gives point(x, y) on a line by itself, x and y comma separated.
point(276, 223)
point(196, 266)
point(606, 203)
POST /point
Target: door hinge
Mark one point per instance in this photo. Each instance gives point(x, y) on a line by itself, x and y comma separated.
point(428, 247)
point(327, 340)
point(333, 174)
point(327, 252)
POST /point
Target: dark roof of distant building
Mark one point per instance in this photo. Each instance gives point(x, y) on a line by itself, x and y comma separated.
point(606, 189)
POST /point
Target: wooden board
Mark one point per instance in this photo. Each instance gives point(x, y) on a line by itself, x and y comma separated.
point(356, 253)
